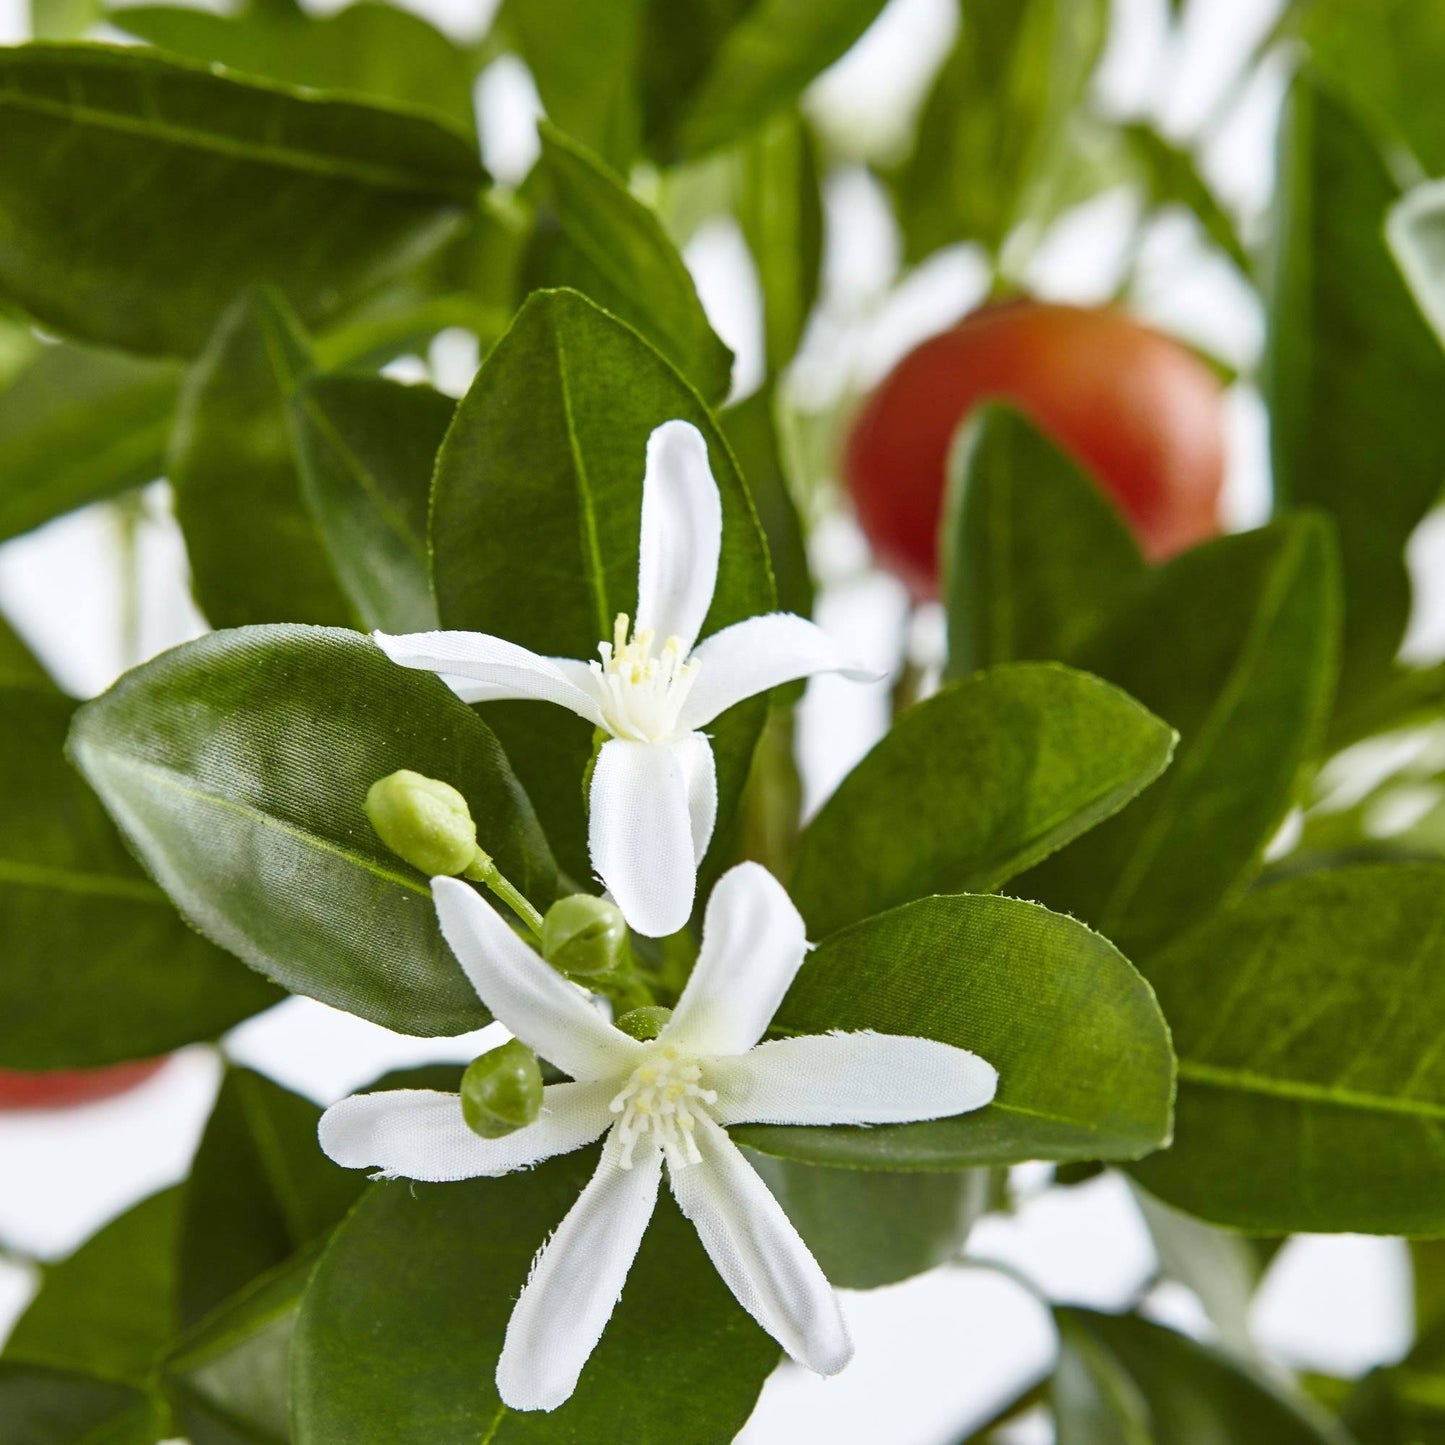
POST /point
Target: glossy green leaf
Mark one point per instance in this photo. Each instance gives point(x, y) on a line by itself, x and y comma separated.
point(1121, 1380)
point(973, 786)
point(255, 553)
point(1085, 1069)
point(109, 1309)
point(1307, 1020)
point(98, 966)
point(402, 1325)
point(1351, 368)
point(1233, 643)
point(601, 240)
point(369, 51)
point(259, 1191)
point(238, 765)
point(79, 424)
point(367, 448)
point(1035, 555)
point(549, 446)
point(63, 19)
point(42, 1406)
point(167, 191)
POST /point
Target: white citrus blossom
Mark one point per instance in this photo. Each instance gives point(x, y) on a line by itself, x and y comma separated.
point(653, 801)
point(665, 1102)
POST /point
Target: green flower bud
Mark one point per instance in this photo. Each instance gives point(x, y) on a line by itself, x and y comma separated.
point(584, 936)
point(424, 821)
point(644, 1023)
point(502, 1090)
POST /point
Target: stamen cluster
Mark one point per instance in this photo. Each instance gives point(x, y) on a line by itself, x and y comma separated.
point(641, 693)
point(661, 1095)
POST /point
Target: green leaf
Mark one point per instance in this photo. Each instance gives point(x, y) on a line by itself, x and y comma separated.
point(1036, 555)
point(63, 19)
point(601, 240)
point(260, 1190)
point(1233, 643)
point(368, 51)
point(109, 1309)
point(972, 786)
point(367, 448)
point(1307, 1021)
point(1350, 370)
point(1121, 1380)
point(1085, 1069)
point(79, 424)
point(237, 765)
point(42, 1406)
point(402, 1325)
point(1415, 231)
point(536, 508)
point(167, 191)
point(19, 667)
point(98, 966)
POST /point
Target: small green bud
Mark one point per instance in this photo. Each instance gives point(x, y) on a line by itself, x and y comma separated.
point(584, 936)
point(502, 1090)
point(644, 1023)
point(424, 821)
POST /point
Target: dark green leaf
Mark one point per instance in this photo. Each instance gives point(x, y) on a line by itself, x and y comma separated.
point(238, 765)
point(260, 1190)
point(19, 667)
point(535, 516)
point(367, 448)
point(1085, 1070)
point(255, 552)
point(41, 1406)
point(1351, 368)
point(98, 966)
point(78, 424)
point(601, 240)
point(1308, 1020)
point(973, 786)
point(401, 1328)
point(1233, 643)
point(1037, 556)
point(167, 190)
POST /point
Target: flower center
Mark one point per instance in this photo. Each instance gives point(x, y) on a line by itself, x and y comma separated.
point(663, 1094)
point(641, 692)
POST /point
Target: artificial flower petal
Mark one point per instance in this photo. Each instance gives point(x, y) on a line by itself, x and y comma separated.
point(536, 1003)
point(491, 669)
point(858, 1078)
point(420, 1134)
point(759, 1254)
point(681, 535)
point(641, 836)
point(694, 752)
point(757, 654)
point(753, 943)
point(575, 1282)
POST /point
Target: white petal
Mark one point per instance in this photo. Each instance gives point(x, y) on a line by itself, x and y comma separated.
point(694, 752)
point(575, 1282)
point(861, 1078)
point(491, 669)
point(759, 1254)
point(640, 834)
point(542, 1008)
point(757, 654)
point(681, 534)
point(753, 942)
point(420, 1134)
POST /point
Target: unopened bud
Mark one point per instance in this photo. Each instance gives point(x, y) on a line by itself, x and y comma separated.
point(584, 936)
point(645, 1023)
point(424, 821)
point(502, 1090)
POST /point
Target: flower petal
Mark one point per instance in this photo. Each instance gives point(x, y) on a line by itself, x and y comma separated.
point(757, 654)
point(681, 534)
point(640, 834)
point(753, 942)
point(759, 1254)
point(542, 1008)
point(575, 1282)
point(491, 669)
point(862, 1078)
point(420, 1134)
point(694, 752)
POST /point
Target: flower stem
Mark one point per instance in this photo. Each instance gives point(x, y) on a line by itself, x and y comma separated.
point(483, 870)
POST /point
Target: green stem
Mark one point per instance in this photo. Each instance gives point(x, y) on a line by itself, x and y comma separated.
point(483, 870)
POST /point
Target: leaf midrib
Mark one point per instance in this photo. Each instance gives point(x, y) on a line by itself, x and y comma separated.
point(76, 881)
point(1245, 1081)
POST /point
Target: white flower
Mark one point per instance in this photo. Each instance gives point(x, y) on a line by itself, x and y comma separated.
point(664, 1102)
point(653, 801)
